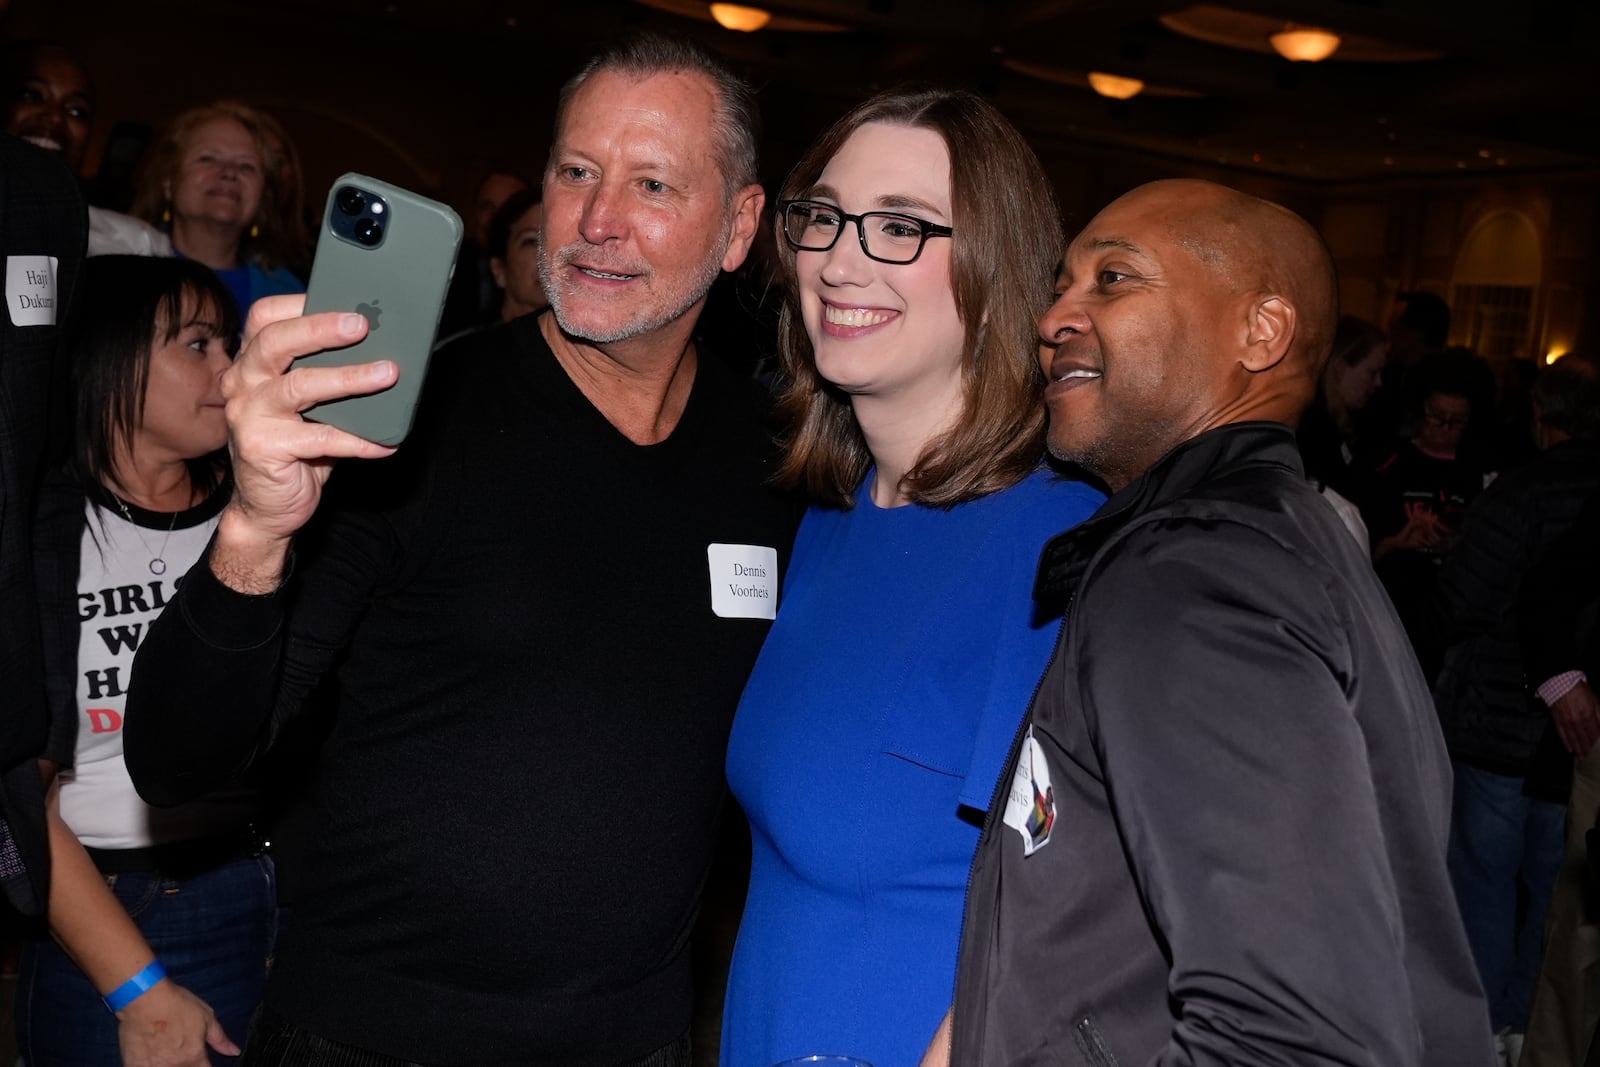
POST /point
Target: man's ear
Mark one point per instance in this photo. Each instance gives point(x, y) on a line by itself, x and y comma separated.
point(747, 205)
point(1269, 333)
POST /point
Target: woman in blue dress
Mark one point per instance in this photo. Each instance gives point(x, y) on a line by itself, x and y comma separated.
point(919, 242)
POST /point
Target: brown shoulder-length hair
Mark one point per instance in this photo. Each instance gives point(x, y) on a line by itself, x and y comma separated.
point(1007, 246)
point(281, 239)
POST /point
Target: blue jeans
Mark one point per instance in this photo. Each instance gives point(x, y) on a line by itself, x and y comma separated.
point(1505, 850)
point(212, 932)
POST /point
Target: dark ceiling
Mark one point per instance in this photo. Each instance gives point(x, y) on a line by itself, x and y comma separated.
point(1508, 85)
point(1499, 87)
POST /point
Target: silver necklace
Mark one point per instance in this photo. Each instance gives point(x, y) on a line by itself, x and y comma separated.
point(158, 564)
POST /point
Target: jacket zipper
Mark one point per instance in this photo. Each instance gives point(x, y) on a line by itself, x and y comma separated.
point(1000, 785)
point(1091, 1044)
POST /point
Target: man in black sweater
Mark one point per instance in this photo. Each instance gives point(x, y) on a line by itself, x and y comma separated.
point(529, 618)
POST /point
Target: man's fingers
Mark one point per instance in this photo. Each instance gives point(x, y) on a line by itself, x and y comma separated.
point(283, 395)
point(306, 387)
point(1588, 734)
point(271, 309)
point(1570, 737)
point(1579, 738)
point(1577, 718)
point(279, 342)
point(306, 440)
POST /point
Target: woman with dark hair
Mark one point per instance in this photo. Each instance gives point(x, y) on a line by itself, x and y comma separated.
point(211, 178)
point(1352, 375)
point(1415, 499)
point(919, 240)
point(162, 916)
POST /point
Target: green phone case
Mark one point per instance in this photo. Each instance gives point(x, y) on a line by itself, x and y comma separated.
point(399, 284)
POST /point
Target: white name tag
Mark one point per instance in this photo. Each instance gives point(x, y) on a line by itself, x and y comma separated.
point(31, 290)
point(1031, 803)
point(744, 581)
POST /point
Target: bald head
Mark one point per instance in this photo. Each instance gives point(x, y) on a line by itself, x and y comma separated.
point(1184, 305)
point(1257, 246)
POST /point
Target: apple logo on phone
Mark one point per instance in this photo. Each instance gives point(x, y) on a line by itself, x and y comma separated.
point(370, 312)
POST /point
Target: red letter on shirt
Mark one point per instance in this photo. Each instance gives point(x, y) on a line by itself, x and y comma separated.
point(103, 720)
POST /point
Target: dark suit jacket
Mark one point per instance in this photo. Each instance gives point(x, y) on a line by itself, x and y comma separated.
point(41, 214)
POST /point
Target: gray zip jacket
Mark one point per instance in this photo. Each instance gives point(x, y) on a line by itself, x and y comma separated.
point(1220, 837)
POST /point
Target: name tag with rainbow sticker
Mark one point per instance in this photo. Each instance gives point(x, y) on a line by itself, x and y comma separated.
point(1031, 803)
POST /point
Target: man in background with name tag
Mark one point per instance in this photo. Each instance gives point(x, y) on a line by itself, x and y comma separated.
point(42, 234)
point(536, 619)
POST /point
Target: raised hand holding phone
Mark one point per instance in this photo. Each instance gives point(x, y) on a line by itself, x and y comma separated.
point(308, 389)
point(280, 460)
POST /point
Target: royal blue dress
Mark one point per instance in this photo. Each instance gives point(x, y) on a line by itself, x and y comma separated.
point(866, 746)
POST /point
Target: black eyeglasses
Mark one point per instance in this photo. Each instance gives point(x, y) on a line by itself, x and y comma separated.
point(886, 236)
point(1445, 422)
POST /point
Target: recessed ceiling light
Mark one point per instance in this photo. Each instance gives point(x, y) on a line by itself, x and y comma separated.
point(1115, 86)
point(739, 17)
point(1304, 44)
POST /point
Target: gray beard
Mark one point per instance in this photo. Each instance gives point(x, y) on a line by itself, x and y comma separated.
point(706, 273)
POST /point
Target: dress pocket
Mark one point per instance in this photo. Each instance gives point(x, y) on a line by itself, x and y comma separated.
point(946, 764)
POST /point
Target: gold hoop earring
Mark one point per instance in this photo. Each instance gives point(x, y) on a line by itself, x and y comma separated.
point(255, 231)
point(166, 214)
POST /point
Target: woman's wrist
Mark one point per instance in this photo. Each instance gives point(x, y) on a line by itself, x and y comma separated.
point(135, 987)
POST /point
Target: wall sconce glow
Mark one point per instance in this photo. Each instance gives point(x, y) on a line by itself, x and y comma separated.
point(1304, 44)
point(1553, 355)
point(741, 18)
point(1115, 86)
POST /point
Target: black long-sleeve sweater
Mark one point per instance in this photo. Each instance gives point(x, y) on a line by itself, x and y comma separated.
point(519, 795)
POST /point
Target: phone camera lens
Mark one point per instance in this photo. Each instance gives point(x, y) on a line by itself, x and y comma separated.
point(368, 232)
point(351, 201)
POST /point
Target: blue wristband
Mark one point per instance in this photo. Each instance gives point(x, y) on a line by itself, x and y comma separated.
point(135, 987)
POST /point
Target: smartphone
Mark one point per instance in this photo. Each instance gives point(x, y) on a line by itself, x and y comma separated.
point(387, 254)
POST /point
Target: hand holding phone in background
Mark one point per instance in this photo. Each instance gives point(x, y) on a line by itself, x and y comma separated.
point(383, 264)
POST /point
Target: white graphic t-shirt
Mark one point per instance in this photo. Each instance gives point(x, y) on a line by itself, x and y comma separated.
point(119, 594)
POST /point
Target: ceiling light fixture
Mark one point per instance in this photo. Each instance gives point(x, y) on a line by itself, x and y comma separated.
point(739, 17)
point(1115, 86)
point(1304, 44)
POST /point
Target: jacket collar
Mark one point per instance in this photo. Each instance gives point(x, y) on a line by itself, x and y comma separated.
point(1209, 455)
